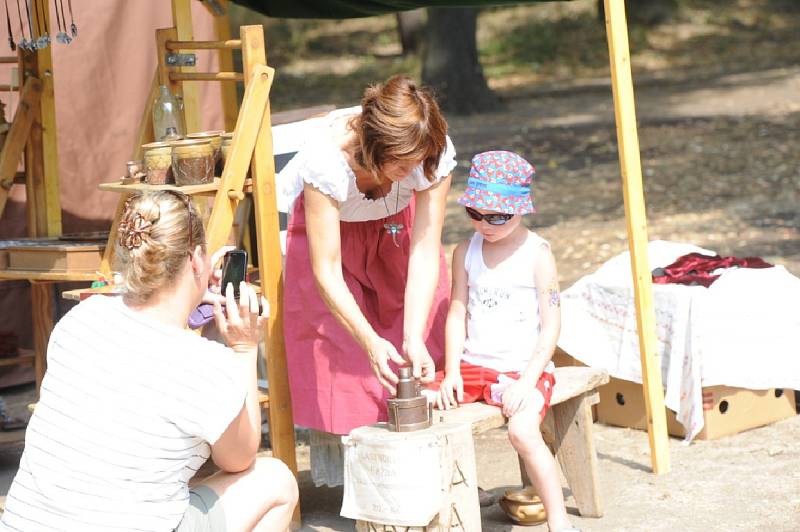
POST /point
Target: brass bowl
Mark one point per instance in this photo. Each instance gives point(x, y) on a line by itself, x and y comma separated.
point(523, 506)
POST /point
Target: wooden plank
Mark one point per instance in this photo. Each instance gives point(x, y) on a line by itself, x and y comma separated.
point(574, 446)
point(223, 43)
point(228, 92)
point(206, 76)
point(22, 359)
point(571, 381)
point(282, 438)
point(205, 188)
point(17, 137)
point(162, 36)
point(34, 163)
point(241, 150)
point(51, 214)
point(29, 275)
point(182, 20)
point(635, 216)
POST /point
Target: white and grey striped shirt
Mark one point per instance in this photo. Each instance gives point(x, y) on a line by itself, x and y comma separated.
point(127, 411)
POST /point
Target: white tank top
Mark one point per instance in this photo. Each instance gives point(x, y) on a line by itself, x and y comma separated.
point(503, 320)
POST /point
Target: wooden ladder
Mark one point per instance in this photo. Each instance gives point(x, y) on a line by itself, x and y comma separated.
point(251, 148)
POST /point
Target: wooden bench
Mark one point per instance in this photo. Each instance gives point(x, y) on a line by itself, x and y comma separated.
point(567, 429)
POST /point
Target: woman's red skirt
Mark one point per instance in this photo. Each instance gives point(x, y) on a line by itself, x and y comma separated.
point(332, 384)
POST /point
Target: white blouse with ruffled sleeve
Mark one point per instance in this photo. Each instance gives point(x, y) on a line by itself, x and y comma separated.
point(321, 163)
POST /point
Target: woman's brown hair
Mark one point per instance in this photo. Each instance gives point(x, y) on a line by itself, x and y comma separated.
point(399, 121)
point(157, 232)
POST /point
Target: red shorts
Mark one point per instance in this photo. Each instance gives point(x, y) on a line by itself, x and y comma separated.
point(478, 381)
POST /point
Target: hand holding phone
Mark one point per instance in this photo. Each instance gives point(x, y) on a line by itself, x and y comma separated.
point(234, 268)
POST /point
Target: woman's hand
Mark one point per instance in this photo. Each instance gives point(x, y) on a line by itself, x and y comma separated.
point(239, 323)
point(214, 292)
point(517, 396)
point(380, 351)
point(451, 391)
point(422, 366)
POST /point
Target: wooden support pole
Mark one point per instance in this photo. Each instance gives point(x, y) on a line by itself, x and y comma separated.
point(228, 91)
point(221, 44)
point(630, 165)
point(46, 180)
point(270, 263)
point(18, 136)
point(42, 295)
point(182, 20)
point(206, 76)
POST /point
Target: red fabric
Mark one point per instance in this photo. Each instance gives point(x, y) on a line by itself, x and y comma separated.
point(478, 382)
point(695, 268)
point(332, 385)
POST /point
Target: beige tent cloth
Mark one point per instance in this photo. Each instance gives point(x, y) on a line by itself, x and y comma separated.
point(101, 80)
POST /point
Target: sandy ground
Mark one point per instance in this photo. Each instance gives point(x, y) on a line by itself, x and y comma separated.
point(722, 170)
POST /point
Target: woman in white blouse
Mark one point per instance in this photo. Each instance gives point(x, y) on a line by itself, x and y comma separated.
point(366, 281)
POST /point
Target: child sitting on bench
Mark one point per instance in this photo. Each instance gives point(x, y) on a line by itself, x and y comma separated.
point(505, 317)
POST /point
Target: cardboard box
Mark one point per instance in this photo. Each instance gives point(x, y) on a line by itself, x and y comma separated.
point(726, 410)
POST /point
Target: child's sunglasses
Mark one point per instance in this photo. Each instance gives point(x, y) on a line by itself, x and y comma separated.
point(492, 218)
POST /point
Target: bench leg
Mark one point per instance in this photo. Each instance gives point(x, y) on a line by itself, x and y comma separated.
point(570, 427)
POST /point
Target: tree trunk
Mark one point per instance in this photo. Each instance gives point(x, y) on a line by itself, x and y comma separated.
point(450, 62)
point(411, 28)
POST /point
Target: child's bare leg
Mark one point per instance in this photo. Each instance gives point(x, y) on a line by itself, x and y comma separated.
point(526, 437)
point(260, 498)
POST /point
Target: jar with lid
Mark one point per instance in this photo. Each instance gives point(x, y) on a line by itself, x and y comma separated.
point(158, 163)
point(192, 162)
point(215, 138)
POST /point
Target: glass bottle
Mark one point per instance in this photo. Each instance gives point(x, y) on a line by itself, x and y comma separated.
point(167, 119)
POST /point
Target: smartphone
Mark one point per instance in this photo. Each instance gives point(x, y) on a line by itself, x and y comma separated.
point(234, 267)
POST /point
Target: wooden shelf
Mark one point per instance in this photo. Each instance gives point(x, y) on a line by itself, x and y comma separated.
point(80, 294)
point(39, 275)
point(207, 188)
point(141, 187)
point(25, 356)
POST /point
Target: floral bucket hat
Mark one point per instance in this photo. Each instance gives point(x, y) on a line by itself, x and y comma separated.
point(499, 181)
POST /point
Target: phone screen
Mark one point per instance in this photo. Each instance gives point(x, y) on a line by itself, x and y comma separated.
point(234, 267)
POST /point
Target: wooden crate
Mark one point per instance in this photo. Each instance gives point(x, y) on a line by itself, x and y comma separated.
point(726, 410)
point(55, 256)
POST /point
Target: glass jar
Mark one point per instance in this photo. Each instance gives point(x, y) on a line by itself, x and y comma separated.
point(167, 115)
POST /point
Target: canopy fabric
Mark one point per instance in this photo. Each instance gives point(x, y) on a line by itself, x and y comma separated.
point(341, 9)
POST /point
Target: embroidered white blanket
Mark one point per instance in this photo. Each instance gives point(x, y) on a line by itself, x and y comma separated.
point(743, 330)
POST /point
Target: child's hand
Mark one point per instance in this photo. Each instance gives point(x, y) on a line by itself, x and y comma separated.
point(517, 396)
point(446, 399)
